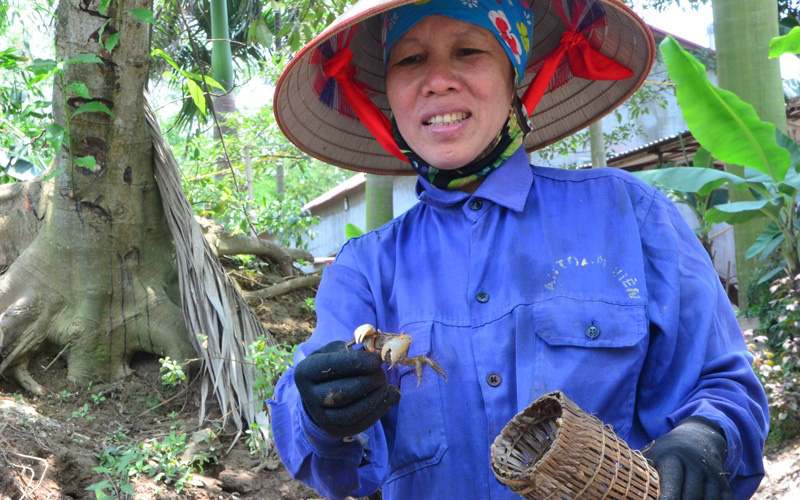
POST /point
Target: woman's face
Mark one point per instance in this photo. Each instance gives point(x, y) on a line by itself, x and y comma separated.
point(449, 85)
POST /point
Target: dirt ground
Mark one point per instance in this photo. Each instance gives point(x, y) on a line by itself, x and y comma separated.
point(50, 445)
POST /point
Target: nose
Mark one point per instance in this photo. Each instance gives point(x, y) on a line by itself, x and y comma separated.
point(439, 78)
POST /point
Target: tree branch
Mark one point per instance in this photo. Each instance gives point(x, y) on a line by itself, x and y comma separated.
point(285, 287)
point(224, 243)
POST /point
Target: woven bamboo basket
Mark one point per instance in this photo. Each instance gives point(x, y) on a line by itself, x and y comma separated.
point(555, 450)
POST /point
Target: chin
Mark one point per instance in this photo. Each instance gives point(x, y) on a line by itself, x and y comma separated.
point(448, 160)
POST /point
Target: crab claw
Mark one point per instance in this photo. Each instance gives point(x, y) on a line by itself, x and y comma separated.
point(396, 349)
point(363, 332)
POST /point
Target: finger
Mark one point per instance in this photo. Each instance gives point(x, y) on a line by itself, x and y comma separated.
point(335, 346)
point(326, 366)
point(712, 491)
point(360, 416)
point(343, 392)
point(670, 478)
point(693, 483)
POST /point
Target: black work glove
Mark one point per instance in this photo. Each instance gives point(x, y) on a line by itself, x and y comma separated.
point(343, 390)
point(690, 461)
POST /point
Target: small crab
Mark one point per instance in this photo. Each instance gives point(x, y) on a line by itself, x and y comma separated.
point(393, 348)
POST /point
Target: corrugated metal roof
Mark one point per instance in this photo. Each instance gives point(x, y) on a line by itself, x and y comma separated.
point(341, 189)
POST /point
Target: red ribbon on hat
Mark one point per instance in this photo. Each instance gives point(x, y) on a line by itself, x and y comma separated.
point(584, 61)
point(339, 68)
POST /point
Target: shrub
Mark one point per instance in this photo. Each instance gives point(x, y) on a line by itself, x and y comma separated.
point(775, 347)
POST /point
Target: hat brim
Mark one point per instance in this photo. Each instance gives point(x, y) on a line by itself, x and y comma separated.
point(570, 104)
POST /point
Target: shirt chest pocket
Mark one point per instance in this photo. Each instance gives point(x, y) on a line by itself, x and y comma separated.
point(593, 351)
point(415, 427)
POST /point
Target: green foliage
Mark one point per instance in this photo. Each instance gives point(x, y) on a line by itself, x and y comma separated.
point(270, 362)
point(732, 132)
point(254, 441)
point(724, 124)
point(163, 460)
point(171, 372)
point(308, 304)
point(775, 346)
point(83, 412)
point(787, 44)
point(701, 188)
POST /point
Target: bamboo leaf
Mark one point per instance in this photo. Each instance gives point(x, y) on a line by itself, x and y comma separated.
point(721, 122)
point(786, 44)
point(197, 96)
point(80, 89)
point(92, 107)
point(144, 15)
point(104, 6)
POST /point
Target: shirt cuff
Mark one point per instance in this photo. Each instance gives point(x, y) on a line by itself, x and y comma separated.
point(349, 448)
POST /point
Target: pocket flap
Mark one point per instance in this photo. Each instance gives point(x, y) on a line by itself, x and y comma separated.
point(563, 321)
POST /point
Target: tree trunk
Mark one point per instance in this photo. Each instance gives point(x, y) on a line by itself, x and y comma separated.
point(99, 278)
point(743, 30)
point(222, 72)
point(598, 144)
point(379, 200)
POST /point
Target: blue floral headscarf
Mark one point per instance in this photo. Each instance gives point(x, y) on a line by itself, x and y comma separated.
point(510, 21)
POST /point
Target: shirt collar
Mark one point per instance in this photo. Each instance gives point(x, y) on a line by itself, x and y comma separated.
point(507, 186)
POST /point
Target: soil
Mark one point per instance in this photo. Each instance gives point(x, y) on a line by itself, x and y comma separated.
point(50, 445)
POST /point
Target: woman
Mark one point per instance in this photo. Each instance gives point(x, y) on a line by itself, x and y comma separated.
point(516, 280)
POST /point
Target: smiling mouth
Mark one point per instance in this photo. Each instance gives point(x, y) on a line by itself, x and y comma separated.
point(448, 119)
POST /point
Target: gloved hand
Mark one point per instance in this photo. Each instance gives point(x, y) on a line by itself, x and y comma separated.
point(343, 390)
point(690, 461)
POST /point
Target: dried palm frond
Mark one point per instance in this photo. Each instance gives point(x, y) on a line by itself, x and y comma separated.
point(212, 306)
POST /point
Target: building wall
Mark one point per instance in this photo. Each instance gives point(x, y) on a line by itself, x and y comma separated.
point(329, 233)
point(657, 124)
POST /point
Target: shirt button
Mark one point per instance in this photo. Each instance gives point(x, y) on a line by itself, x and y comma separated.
point(592, 332)
point(494, 379)
point(476, 205)
point(482, 297)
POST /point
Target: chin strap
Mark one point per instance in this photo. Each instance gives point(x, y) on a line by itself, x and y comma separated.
point(584, 62)
point(340, 68)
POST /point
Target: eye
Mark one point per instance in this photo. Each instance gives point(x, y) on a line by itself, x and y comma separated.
point(409, 60)
point(468, 51)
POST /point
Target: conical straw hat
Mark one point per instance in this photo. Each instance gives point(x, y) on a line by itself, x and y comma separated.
point(314, 115)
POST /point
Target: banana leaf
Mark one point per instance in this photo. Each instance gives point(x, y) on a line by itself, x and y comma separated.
point(741, 211)
point(701, 181)
point(721, 122)
point(766, 243)
point(786, 44)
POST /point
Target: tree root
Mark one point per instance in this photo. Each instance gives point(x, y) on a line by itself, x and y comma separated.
point(285, 287)
point(224, 243)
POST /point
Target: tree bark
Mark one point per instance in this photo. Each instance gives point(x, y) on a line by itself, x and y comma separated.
point(743, 30)
point(223, 243)
point(285, 287)
point(598, 145)
point(379, 200)
point(99, 276)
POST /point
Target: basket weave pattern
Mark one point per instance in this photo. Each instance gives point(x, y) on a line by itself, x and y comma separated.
point(555, 450)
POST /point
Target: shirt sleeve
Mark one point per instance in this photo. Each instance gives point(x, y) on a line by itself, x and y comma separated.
point(698, 362)
point(336, 468)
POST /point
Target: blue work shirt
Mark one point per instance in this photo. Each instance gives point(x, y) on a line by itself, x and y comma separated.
point(587, 282)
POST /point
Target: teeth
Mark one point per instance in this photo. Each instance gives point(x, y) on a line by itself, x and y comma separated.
point(447, 119)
